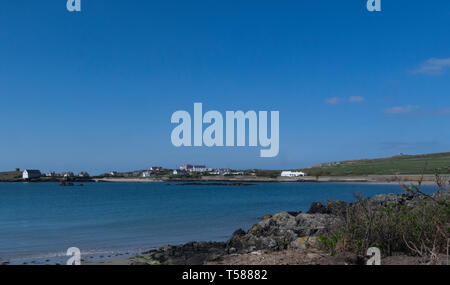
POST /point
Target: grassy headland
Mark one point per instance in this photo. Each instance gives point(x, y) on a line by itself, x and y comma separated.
point(10, 175)
point(396, 165)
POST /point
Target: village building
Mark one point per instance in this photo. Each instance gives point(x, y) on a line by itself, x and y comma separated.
point(292, 174)
point(179, 172)
point(147, 174)
point(199, 168)
point(220, 171)
point(68, 174)
point(194, 168)
point(83, 174)
point(186, 167)
point(31, 174)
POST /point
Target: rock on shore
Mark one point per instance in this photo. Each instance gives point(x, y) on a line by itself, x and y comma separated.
point(282, 231)
point(192, 253)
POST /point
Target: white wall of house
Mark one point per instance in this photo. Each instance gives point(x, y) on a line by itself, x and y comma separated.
point(186, 167)
point(147, 174)
point(199, 169)
point(292, 174)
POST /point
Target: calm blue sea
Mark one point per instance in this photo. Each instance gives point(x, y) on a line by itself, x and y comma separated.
point(39, 221)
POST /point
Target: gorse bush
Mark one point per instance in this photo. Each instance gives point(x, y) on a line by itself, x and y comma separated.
point(414, 223)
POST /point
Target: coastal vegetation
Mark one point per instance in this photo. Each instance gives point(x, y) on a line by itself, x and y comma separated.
point(396, 165)
point(268, 173)
point(415, 224)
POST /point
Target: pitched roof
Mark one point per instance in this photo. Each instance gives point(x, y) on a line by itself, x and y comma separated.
point(32, 171)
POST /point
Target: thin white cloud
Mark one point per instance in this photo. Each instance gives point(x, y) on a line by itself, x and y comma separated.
point(351, 99)
point(433, 66)
point(401, 110)
point(332, 100)
point(356, 99)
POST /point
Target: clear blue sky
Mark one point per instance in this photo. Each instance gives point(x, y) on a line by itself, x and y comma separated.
point(95, 90)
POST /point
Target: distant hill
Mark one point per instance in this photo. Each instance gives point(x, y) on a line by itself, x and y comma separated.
point(396, 165)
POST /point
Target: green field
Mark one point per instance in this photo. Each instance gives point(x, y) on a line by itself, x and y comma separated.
point(397, 165)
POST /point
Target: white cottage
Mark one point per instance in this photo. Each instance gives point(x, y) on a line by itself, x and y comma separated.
point(147, 174)
point(292, 174)
point(31, 174)
point(199, 168)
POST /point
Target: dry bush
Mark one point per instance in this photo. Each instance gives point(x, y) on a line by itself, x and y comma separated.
point(418, 224)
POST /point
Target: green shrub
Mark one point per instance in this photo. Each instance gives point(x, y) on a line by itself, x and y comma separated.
point(421, 227)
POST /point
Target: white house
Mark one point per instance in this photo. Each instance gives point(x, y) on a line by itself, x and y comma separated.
point(30, 174)
point(292, 174)
point(199, 168)
point(68, 174)
point(193, 168)
point(186, 167)
point(147, 174)
point(179, 172)
point(220, 171)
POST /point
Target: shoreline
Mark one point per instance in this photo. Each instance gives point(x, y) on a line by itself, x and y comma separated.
point(259, 246)
point(369, 179)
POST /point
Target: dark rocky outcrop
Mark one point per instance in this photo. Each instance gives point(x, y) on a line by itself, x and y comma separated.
point(282, 231)
point(192, 253)
point(214, 184)
point(404, 199)
point(337, 208)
